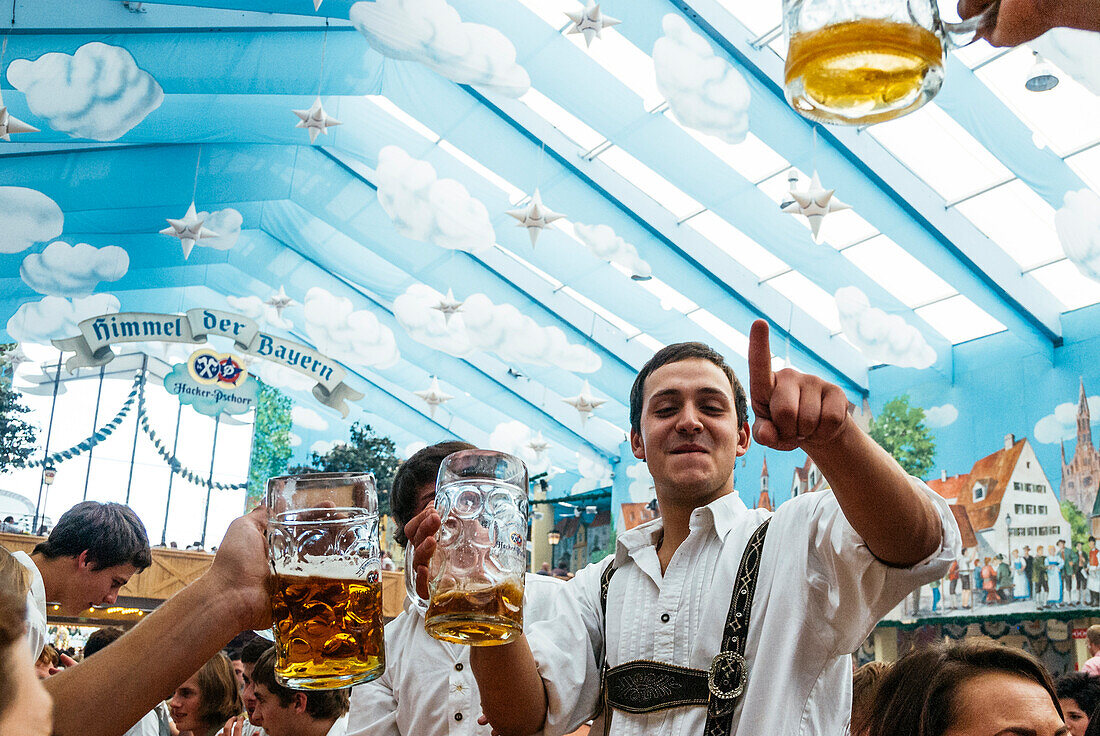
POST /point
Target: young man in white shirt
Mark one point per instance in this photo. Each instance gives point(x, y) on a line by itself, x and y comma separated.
point(285, 712)
point(428, 688)
point(826, 569)
point(93, 550)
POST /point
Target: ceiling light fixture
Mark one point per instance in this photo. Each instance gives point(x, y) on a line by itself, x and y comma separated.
point(1042, 76)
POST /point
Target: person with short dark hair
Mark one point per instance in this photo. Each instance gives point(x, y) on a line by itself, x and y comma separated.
point(414, 483)
point(250, 655)
point(865, 681)
point(100, 638)
point(207, 699)
point(285, 712)
point(966, 688)
point(93, 550)
point(1092, 644)
point(9, 526)
point(1079, 696)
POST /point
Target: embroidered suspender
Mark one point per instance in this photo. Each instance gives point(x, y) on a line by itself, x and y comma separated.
point(645, 686)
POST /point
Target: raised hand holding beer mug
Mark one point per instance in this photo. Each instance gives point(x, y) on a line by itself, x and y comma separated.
point(475, 574)
point(327, 596)
point(858, 62)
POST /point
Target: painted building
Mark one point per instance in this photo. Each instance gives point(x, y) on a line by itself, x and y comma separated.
point(1008, 499)
point(807, 479)
point(765, 501)
point(635, 513)
point(1081, 475)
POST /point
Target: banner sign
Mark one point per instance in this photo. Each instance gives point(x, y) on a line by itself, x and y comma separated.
point(212, 383)
point(92, 347)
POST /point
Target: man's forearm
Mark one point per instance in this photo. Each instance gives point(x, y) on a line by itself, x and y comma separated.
point(899, 525)
point(111, 691)
point(513, 696)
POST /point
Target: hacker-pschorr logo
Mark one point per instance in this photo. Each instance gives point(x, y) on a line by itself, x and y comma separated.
point(216, 369)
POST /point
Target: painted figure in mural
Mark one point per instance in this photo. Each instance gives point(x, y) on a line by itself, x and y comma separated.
point(989, 582)
point(1039, 576)
point(935, 586)
point(966, 579)
point(976, 566)
point(1081, 572)
point(1094, 573)
point(1004, 580)
point(1021, 587)
point(1029, 568)
point(1054, 579)
point(1069, 567)
point(953, 585)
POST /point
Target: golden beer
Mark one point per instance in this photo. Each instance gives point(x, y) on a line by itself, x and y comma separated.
point(479, 617)
point(863, 71)
point(328, 632)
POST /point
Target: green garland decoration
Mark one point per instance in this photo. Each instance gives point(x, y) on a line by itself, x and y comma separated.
point(175, 465)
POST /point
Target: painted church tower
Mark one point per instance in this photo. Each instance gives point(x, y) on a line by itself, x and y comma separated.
point(765, 501)
point(1081, 475)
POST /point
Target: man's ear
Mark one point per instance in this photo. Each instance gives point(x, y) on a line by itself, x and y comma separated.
point(299, 703)
point(636, 445)
point(82, 561)
point(744, 439)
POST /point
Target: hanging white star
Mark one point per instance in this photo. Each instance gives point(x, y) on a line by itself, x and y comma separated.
point(535, 216)
point(433, 396)
point(15, 358)
point(280, 301)
point(591, 22)
point(10, 124)
point(315, 120)
point(538, 445)
point(813, 203)
point(317, 4)
point(188, 230)
point(449, 306)
point(585, 402)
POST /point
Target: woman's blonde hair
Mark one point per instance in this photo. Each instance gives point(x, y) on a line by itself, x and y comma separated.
point(219, 696)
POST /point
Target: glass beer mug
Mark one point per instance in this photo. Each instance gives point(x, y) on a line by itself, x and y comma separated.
point(857, 62)
point(475, 577)
point(322, 541)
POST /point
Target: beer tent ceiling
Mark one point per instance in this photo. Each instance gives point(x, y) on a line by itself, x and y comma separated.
point(976, 215)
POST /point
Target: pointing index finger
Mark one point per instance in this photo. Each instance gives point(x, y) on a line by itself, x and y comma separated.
point(761, 380)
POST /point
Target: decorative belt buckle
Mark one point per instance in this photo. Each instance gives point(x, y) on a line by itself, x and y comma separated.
point(727, 676)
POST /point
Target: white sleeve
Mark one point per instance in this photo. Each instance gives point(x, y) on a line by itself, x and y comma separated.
point(568, 648)
point(849, 588)
point(373, 710)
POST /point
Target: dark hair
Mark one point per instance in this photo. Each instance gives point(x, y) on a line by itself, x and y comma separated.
point(251, 652)
point(917, 696)
point(49, 654)
point(865, 682)
point(320, 704)
point(421, 468)
point(110, 532)
point(674, 354)
point(1080, 687)
point(101, 638)
point(219, 695)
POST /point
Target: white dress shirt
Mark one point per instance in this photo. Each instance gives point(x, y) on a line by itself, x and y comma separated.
point(428, 688)
point(819, 594)
point(36, 606)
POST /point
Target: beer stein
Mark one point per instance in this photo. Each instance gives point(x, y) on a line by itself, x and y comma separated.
point(857, 62)
point(475, 577)
point(322, 542)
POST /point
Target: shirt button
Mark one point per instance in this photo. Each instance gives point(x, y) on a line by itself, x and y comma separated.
point(664, 618)
point(458, 716)
point(458, 666)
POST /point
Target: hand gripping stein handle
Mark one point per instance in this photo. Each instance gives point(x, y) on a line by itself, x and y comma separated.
point(410, 581)
point(966, 32)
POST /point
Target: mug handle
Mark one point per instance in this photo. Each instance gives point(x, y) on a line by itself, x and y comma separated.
point(966, 32)
point(410, 582)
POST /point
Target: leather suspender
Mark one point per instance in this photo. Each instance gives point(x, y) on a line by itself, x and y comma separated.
point(645, 686)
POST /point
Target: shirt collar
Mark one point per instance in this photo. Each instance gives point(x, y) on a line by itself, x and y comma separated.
point(719, 515)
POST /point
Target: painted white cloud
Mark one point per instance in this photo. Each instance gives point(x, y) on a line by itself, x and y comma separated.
point(27, 216)
point(253, 307)
point(226, 223)
point(607, 246)
point(412, 448)
point(99, 92)
point(73, 270)
point(426, 208)
point(1074, 52)
point(513, 438)
point(280, 376)
point(641, 482)
point(1062, 424)
point(323, 447)
point(352, 336)
point(432, 32)
point(55, 317)
point(703, 90)
point(307, 418)
point(483, 326)
point(595, 472)
point(1078, 227)
point(941, 416)
point(883, 338)
point(294, 440)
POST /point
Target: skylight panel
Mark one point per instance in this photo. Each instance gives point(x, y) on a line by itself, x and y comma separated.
point(610, 317)
point(898, 272)
point(977, 53)
point(735, 340)
point(390, 107)
point(959, 319)
point(660, 189)
point(670, 298)
point(530, 267)
point(809, 297)
point(1068, 284)
point(571, 126)
point(739, 246)
point(1017, 220)
point(941, 152)
point(553, 11)
point(515, 194)
point(632, 66)
point(1087, 166)
point(756, 16)
point(753, 158)
point(842, 229)
point(649, 341)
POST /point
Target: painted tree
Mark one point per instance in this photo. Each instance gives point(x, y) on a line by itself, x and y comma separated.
point(1078, 524)
point(270, 441)
point(900, 430)
point(18, 438)
point(365, 451)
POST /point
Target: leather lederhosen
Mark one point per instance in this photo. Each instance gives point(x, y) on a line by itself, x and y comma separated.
point(646, 686)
